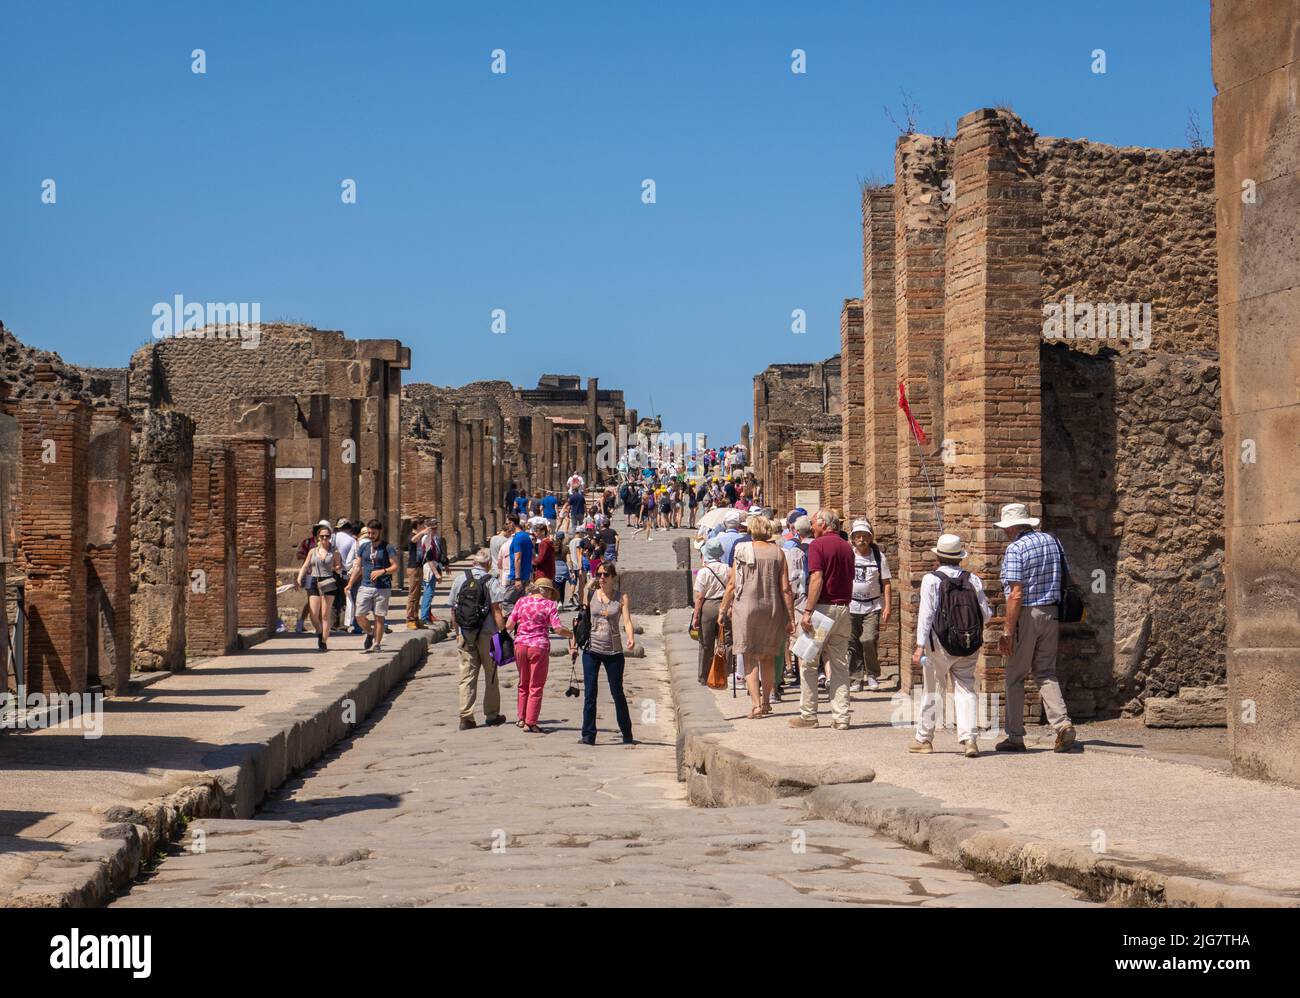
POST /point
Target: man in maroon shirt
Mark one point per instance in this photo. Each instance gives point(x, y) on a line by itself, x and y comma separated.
point(830, 589)
point(544, 554)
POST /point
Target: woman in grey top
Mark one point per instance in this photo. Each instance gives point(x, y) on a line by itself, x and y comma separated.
point(609, 610)
point(319, 573)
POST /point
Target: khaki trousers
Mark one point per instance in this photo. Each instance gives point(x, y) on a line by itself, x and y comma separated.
point(1037, 631)
point(476, 655)
point(835, 653)
point(414, 586)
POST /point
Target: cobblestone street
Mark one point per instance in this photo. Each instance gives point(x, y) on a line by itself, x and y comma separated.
point(414, 812)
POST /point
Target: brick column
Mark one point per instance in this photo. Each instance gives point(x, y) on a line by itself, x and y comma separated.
point(108, 525)
point(880, 444)
point(993, 331)
point(1257, 72)
point(255, 534)
point(833, 479)
point(853, 408)
point(213, 609)
point(52, 528)
point(921, 164)
point(478, 478)
point(452, 528)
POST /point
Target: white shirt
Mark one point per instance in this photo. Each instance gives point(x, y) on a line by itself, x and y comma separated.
point(347, 545)
point(930, 600)
point(868, 584)
point(711, 580)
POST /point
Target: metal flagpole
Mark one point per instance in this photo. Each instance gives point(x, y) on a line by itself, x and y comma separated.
point(934, 499)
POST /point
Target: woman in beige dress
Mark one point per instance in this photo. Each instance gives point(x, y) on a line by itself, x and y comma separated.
point(761, 605)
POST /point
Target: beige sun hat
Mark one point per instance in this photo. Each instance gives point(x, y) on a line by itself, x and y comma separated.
point(862, 526)
point(1016, 514)
point(949, 546)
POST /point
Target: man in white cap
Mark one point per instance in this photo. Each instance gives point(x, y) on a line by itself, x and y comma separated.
point(1032, 582)
point(730, 533)
point(949, 633)
point(869, 608)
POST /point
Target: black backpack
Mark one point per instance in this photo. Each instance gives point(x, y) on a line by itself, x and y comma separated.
point(958, 619)
point(582, 627)
point(473, 603)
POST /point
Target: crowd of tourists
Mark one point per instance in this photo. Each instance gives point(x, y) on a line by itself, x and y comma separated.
point(800, 602)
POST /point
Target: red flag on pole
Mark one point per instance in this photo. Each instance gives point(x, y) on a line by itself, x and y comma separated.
point(911, 420)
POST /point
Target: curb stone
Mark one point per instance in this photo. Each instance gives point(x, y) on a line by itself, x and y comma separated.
point(239, 777)
point(717, 776)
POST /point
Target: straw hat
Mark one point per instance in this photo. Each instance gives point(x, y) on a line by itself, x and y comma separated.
point(949, 546)
point(1016, 514)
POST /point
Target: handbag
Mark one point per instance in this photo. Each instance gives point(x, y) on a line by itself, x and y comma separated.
point(502, 648)
point(1070, 609)
point(327, 585)
point(718, 671)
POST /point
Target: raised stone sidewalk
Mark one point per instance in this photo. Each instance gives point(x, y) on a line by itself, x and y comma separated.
point(1122, 827)
point(80, 817)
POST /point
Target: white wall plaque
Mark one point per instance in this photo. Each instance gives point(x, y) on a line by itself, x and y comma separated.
point(304, 473)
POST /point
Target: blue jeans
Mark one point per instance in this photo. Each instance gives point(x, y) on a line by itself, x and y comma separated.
point(426, 598)
point(591, 663)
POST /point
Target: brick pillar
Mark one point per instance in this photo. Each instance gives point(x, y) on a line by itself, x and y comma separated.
point(52, 528)
point(880, 444)
point(593, 430)
point(255, 534)
point(993, 331)
point(213, 609)
point(833, 479)
point(478, 479)
point(344, 458)
point(921, 165)
point(452, 510)
point(853, 411)
point(1257, 181)
point(108, 526)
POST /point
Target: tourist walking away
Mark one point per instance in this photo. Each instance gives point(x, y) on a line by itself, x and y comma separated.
point(869, 609)
point(531, 622)
point(519, 570)
point(760, 605)
point(830, 590)
point(647, 513)
point(949, 634)
point(475, 601)
point(550, 510)
point(606, 650)
point(319, 576)
point(346, 542)
point(414, 576)
point(1033, 581)
point(795, 548)
point(710, 585)
point(375, 567)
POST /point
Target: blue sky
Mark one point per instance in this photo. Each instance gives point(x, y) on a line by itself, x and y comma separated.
point(521, 191)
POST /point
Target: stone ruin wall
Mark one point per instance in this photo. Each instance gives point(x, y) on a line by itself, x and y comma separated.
point(1141, 496)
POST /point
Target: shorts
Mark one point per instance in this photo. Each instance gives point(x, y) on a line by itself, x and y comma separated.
point(371, 599)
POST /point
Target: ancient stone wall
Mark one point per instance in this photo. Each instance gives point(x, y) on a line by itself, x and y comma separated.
point(255, 511)
point(832, 486)
point(108, 551)
point(853, 411)
point(792, 402)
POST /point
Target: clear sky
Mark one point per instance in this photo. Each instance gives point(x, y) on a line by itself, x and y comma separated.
point(521, 191)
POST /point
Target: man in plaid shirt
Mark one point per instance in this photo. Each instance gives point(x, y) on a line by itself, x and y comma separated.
point(1031, 582)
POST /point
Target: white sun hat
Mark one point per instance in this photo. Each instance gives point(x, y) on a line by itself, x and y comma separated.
point(862, 526)
point(1016, 514)
point(949, 546)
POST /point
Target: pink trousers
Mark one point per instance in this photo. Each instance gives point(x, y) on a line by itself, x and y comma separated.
point(533, 664)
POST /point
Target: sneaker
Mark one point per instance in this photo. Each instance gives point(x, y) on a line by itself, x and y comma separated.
point(972, 749)
point(467, 722)
point(1064, 739)
point(872, 684)
point(370, 640)
point(920, 748)
point(499, 719)
point(1009, 744)
point(840, 725)
point(803, 722)
point(855, 686)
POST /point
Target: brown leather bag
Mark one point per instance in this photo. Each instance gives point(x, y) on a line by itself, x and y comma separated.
point(719, 673)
